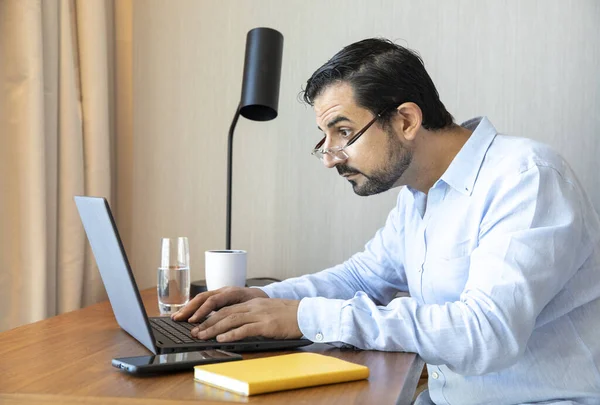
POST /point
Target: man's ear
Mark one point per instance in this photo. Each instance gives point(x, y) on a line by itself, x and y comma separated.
point(409, 120)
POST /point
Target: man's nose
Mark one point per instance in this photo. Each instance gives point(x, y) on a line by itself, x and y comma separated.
point(330, 161)
point(328, 158)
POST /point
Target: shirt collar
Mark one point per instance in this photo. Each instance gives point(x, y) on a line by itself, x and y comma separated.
point(464, 168)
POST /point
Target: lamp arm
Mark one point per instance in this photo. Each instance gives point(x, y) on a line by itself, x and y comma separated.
point(229, 176)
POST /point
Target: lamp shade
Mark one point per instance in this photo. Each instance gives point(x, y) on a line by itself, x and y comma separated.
point(262, 74)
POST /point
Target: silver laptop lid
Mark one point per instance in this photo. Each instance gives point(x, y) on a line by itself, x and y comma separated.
point(115, 271)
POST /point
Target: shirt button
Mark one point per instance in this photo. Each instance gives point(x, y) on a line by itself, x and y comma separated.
point(319, 337)
point(435, 375)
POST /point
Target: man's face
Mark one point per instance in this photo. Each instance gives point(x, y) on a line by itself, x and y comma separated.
point(377, 160)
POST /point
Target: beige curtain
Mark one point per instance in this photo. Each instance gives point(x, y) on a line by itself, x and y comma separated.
point(57, 126)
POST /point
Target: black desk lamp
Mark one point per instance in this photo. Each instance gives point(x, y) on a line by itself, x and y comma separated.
point(260, 92)
point(260, 97)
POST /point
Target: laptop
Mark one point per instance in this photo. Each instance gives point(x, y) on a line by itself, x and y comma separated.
point(159, 334)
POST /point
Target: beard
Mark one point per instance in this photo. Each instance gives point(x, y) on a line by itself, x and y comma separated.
point(398, 159)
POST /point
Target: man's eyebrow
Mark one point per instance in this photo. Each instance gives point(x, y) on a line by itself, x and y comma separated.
point(336, 120)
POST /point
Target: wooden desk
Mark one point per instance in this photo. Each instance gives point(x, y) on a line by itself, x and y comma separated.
point(67, 360)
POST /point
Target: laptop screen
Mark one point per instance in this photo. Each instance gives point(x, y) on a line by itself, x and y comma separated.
point(114, 268)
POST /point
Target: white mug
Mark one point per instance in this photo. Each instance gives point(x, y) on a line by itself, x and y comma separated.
point(225, 268)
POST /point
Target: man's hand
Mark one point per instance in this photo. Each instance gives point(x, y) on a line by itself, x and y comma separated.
point(204, 303)
point(268, 317)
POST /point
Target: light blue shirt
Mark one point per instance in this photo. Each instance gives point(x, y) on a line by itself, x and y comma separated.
point(502, 262)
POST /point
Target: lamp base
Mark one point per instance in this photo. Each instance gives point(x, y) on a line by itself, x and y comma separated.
point(199, 286)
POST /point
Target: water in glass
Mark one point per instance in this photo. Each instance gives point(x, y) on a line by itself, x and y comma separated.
point(173, 275)
point(173, 289)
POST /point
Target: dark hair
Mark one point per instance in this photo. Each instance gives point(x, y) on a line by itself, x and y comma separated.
point(382, 74)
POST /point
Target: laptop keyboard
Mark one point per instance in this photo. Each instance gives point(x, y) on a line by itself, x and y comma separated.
point(178, 332)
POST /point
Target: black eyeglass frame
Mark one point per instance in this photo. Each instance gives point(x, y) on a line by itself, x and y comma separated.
point(320, 153)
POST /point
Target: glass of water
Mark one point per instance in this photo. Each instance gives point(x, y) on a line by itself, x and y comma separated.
point(173, 275)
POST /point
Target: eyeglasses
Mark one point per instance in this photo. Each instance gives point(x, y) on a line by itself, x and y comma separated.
point(338, 153)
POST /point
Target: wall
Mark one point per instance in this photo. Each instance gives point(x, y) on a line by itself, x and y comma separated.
point(531, 66)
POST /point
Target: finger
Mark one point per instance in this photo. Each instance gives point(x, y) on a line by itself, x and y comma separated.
point(217, 317)
point(214, 303)
point(191, 307)
point(231, 321)
point(252, 306)
point(249, 329)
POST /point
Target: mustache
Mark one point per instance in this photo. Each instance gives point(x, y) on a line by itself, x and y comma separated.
point(345, 169)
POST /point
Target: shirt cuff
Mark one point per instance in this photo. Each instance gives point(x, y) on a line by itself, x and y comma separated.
point(319, 319)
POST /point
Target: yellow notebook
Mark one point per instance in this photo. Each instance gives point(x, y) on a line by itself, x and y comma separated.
point(278, 373)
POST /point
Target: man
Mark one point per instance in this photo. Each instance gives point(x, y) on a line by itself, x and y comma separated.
point(493, 237)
